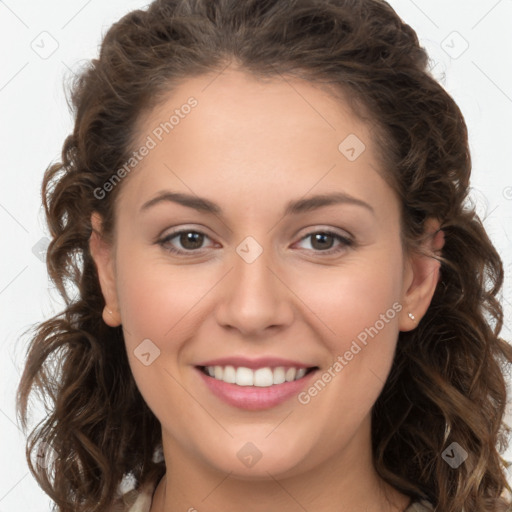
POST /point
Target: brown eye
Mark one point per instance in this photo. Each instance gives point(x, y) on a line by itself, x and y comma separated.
point(324, 241)
point(191, 239)
point(188, 240)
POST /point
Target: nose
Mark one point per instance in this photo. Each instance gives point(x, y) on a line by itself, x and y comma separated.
point(255, 297)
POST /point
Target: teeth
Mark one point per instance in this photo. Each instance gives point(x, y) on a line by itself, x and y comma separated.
point(300, 373)
point(218, 372)
point(290, 374)
point(262, 377)
point(279, 375)
point(229, 375)
point(244, 376)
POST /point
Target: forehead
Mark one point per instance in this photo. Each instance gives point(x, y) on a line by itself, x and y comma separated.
point(256, 136)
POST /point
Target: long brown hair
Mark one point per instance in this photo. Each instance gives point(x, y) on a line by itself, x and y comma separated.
point(447, 381)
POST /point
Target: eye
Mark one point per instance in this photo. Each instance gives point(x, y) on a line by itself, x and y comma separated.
point(190, 239)
point(322, 241)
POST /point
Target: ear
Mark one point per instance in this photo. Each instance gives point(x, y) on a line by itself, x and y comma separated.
point(421, 277)
point(103, 255)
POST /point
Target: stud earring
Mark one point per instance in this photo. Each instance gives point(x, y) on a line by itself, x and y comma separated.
point(411, 316)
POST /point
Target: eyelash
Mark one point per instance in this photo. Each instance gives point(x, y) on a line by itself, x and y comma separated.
point(346, 242)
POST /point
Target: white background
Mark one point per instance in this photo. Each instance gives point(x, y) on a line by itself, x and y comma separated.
point(35, 120)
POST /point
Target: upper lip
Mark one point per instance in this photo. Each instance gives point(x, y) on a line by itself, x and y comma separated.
point(261, 362)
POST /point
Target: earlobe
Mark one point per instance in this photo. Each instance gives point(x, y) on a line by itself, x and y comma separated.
point(102, 254)
point(423, 277)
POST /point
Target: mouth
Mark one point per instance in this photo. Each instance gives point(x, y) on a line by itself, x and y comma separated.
point(255, 389)
point(260, 377)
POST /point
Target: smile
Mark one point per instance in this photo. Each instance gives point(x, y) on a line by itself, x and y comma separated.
point(257, 388)
point(261, 377)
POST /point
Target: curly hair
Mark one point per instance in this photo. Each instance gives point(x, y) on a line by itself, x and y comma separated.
point(447, 382)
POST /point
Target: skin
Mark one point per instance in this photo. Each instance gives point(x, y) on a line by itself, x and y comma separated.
point(251, 147)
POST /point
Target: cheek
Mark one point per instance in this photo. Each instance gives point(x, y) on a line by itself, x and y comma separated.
point(157, 303)
point(358, 311)
point(156, 298)
point(358, 307)
point(351, 298)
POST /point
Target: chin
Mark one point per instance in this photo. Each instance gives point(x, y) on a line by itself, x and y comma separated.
point(259, 460)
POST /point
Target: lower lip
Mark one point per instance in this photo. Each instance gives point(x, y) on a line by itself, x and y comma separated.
point(255, 398)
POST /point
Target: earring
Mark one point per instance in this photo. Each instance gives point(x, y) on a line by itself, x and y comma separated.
point(110, 318)
point(411, 316)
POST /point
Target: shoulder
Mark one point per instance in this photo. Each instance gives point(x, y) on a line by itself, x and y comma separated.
point(134, 499)
point(503, 505)
point(420, 506)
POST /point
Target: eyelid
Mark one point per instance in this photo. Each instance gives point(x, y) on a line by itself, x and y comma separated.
point(319, 228)
point(176, 230)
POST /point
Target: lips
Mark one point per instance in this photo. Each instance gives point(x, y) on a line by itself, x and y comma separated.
point(255, 384)
point(261, 362)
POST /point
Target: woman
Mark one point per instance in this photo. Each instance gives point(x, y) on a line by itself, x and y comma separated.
point(280, 285)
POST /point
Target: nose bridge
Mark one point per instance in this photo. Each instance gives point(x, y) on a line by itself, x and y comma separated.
point(255, 298)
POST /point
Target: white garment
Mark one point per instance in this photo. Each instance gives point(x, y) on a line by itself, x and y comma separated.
point(141, 501)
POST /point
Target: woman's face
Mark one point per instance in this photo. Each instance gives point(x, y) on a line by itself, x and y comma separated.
point(268, 278)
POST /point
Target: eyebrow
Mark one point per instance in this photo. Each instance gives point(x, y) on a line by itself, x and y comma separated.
point(293, 207)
